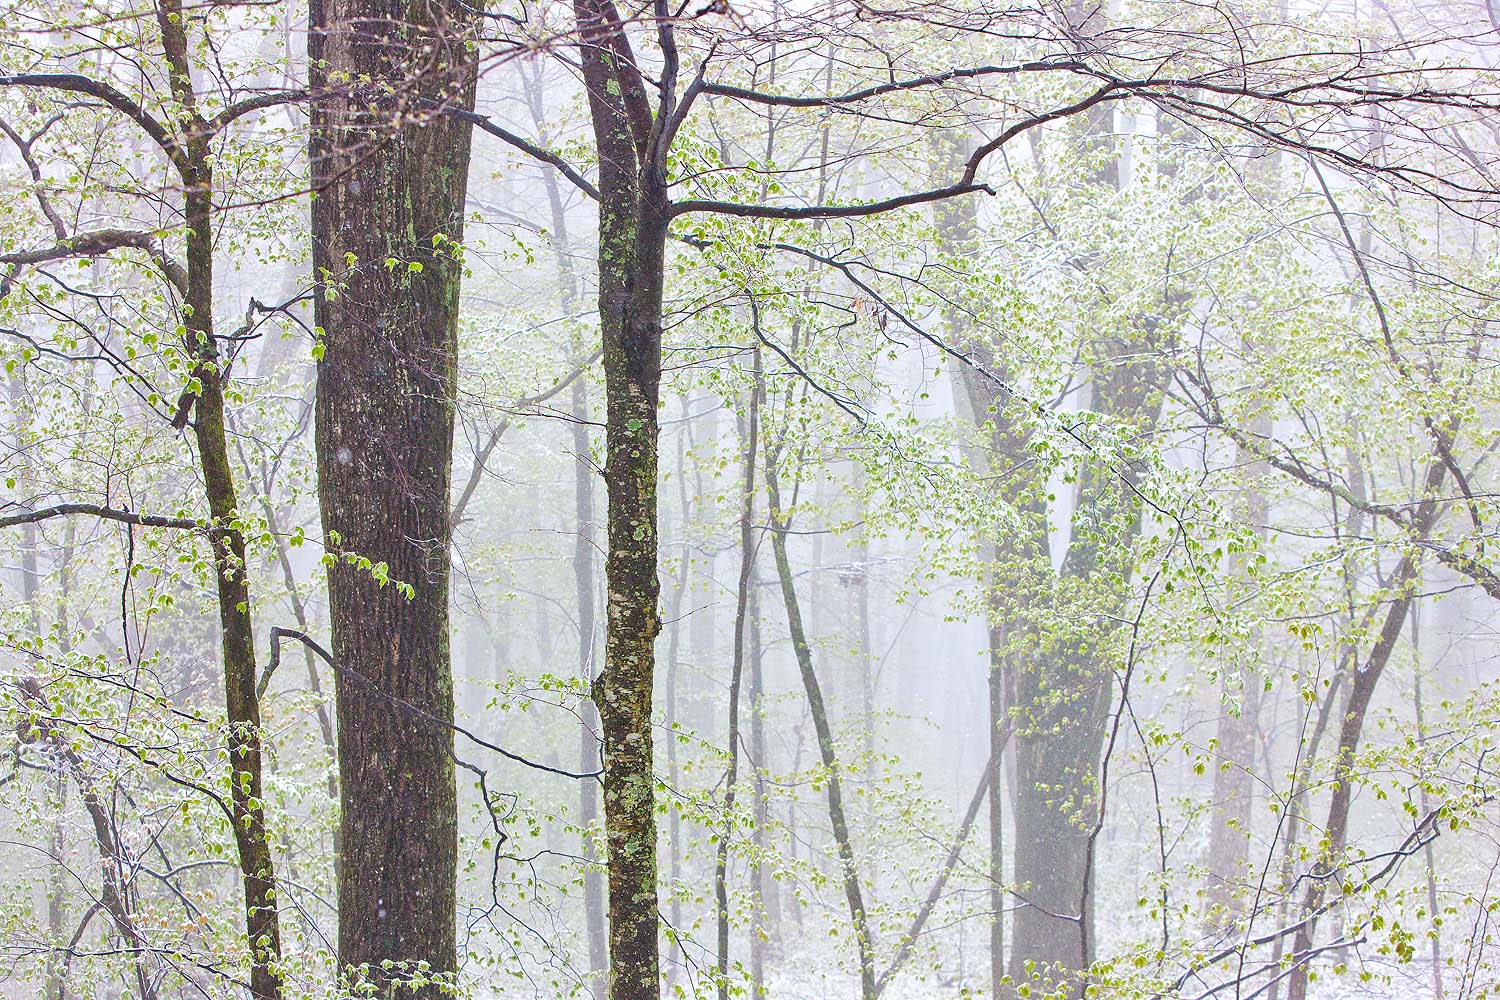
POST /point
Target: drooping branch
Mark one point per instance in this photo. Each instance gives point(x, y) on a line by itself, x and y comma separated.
point(278, 633)
point(77, 83)
point(487, 124)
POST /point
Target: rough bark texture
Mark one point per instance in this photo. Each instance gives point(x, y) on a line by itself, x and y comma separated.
point(389, 171)
point(632, 252)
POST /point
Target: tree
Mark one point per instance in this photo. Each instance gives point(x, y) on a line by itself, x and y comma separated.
point(1081, 64)
point(389, 174)
point(186, 135)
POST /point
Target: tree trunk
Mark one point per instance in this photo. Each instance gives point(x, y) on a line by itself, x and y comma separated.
point(237, 638)
point(633, 217)
point(630, 308)
point(849, 871)
point(736, 676)
point(389, 173)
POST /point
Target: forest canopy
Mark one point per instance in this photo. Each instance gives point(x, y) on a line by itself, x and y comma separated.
point(822, 499)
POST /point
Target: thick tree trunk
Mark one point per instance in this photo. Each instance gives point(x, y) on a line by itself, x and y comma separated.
point(633, 217)
point(1058, 743)
point(630, 308)
point(389, 172)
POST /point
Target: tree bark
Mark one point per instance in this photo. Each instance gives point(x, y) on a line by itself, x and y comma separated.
point(633, 217)
point(389, 175)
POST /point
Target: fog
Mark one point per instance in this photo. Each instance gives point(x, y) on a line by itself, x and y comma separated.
point(1064, 436)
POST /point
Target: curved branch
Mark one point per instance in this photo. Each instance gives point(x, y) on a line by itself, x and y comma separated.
point(531, 149)
point(76, 83)
point(892, 87)
point(101, 241)
point(259, 102)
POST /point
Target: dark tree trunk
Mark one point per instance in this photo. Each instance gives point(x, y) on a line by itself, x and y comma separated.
point(237, 638)
point(633, 217)
point(630, 310)
point(1064, 704)
point(389, 172)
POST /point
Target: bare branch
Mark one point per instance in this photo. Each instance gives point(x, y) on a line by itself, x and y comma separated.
point(106, 513)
